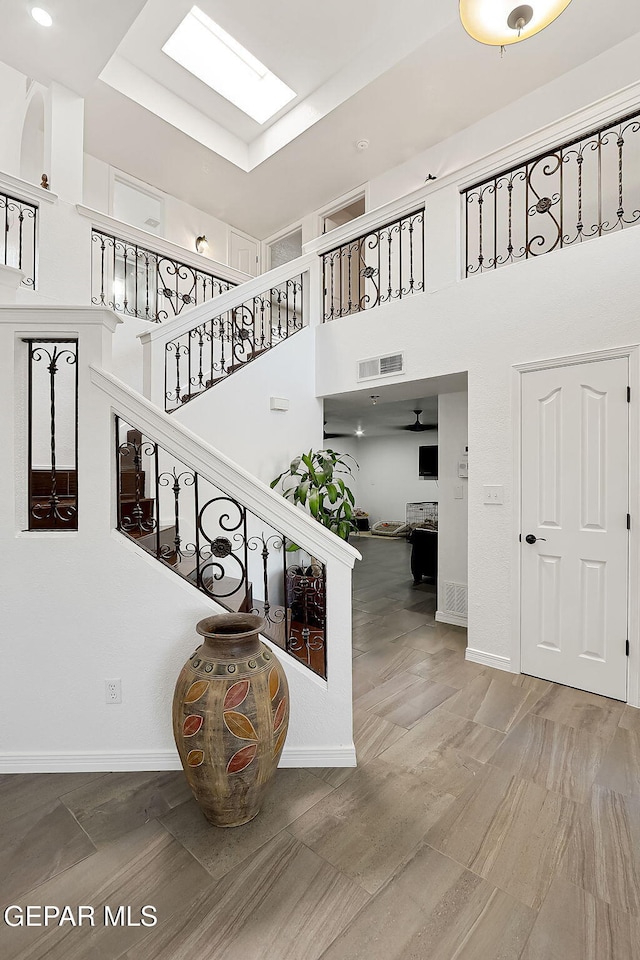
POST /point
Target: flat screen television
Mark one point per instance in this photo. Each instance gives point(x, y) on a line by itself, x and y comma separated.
point(428, 462)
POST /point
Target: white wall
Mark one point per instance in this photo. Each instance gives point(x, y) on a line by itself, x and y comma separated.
point(388, 476)
point(613, 70)
point(235, 417)
point(80, 607)
point(12, 104)
point(182, 223)
point(566, 303)
point(452, 510)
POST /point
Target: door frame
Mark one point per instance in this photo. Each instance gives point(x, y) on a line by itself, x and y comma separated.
point(632, 353)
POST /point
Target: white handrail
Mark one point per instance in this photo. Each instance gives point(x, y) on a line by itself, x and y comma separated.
point(188, 319)
point(221, 471)
point(156, 244)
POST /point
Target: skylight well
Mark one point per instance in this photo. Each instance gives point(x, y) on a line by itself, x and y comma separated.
point(217, 59)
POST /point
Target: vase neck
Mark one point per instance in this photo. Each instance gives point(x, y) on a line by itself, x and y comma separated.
point(231, 648)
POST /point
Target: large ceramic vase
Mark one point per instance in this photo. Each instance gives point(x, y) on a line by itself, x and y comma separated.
point(230, 718)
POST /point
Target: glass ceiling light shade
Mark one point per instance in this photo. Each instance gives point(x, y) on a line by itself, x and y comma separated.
point(502, 22)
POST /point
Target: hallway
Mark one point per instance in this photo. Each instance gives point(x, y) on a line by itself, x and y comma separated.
point(491, 817)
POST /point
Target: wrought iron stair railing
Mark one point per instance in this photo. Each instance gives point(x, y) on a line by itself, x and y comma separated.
point(583, 188)
point(214, 348)
point(210, 539)
point(137, 281)
point(19, 221)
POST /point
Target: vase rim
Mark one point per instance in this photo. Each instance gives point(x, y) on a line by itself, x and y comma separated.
point(230, 626)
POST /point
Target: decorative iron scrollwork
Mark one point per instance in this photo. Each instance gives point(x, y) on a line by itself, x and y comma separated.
point(143, 283)
point(375, 268)
point(197, 359)
point(18, 246)
point(210, 539)
point(581, 187)
point(53, 495)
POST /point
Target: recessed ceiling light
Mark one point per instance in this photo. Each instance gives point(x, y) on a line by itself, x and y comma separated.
point(359, 432)
point(217, 59)
point(41, 16)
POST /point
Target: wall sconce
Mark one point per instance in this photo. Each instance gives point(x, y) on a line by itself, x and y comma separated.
point(502, 22)
point(201, 244)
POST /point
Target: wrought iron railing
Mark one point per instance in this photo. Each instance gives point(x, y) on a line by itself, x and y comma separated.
point(380, 266)
point(220, 546)
point(571, 193)
point(215, 348)
point(53, 434)
point(18, 245)
point(143, 283)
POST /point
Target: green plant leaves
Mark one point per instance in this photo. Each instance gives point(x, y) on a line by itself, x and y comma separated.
point(312, 482)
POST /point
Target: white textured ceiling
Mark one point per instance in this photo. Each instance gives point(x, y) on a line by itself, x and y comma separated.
point(394, 407)
point(403, 75)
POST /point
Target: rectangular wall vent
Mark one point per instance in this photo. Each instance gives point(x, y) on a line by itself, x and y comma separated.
point(381, 366)
point(455, 598)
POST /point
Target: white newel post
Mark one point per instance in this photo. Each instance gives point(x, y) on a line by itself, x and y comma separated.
point(443, 238)
point(10, 280)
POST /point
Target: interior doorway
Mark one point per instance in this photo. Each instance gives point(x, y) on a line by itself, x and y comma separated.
point(574, 539)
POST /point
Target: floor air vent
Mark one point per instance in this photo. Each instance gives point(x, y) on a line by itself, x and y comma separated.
point(380, 366)
point(455, 598)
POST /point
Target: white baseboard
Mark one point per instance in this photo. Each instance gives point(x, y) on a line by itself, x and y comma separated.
point(489, 659)
point(157, 760)
point(318, 756)
point(454, 618)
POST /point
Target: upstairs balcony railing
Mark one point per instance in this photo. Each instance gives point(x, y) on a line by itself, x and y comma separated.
point(380, 266)
point(582, 189)
point(141, 282)
point(18, 244)
point(212, 349)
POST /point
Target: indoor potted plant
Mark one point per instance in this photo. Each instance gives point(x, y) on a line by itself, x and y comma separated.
point(312, 481)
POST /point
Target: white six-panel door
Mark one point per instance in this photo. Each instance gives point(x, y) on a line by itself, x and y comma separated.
point(575, 466)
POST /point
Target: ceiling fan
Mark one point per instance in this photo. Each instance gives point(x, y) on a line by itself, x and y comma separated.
point(333, 436)
point(418, 426)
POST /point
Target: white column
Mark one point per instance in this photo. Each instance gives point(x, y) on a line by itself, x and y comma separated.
point(64, 143)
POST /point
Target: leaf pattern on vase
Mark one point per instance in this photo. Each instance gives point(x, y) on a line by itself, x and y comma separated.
point(279, 715)
point(236, 694)
point(239, 725)
point(242, 758)
point(279, 742)
point(195, 691)
point(191, 725)
point(274, 682)
point(195, 758)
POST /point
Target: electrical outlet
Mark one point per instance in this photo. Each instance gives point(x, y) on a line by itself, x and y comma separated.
point(494, 494)
point(113, 691)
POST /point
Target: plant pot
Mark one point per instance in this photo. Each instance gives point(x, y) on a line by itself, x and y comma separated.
point(362, 523)
point(230, 718)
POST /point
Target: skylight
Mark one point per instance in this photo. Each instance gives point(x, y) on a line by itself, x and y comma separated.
point(213, 56)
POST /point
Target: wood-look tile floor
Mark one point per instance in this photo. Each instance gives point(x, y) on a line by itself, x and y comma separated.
point(491, 817)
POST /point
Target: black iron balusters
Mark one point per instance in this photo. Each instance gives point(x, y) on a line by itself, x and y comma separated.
point(18, 244)
point(213, 349)
point(378, 267)
point(574, 192)
point(218, 545)
point(143, 283)
point(53, 434)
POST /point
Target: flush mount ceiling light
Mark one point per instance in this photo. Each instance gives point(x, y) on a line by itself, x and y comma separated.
point(217, 59)
point(41, 16)
point(502, 22)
